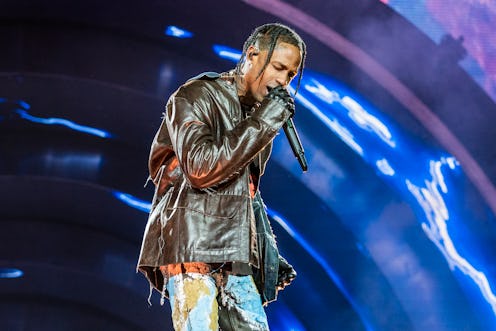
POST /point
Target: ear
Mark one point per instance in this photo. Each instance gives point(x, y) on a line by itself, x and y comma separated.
point(251, 52)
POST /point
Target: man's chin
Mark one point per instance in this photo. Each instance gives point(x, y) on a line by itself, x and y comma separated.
point(261, 96)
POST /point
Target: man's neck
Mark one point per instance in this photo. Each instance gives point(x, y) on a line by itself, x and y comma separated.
point(243, 94)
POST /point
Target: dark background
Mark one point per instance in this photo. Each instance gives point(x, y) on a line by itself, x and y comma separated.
point(411, 249)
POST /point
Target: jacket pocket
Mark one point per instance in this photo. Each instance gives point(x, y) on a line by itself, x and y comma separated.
point(211, 205)
point(211, 222)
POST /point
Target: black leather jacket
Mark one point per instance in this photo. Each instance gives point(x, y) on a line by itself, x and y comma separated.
point(201, 161)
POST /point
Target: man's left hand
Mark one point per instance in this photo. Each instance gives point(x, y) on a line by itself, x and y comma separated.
point(286, 273)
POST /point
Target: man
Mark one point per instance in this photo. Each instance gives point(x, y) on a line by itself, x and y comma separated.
point(208, 245)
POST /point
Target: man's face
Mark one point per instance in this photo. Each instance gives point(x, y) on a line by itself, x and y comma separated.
point(281, 69)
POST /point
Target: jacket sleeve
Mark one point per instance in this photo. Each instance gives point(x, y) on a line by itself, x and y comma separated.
point(207, 158)
point(162, 156)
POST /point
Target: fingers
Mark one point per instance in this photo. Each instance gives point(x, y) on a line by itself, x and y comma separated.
point(285, 278)
point(283, 284)
point(281, 94)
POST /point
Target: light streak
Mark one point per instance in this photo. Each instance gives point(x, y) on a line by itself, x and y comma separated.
point(11, 273)
point(356, 111)
point(64, 122)
point(436, 227)
point(132, 201)
point(384, 167)
point(227, 53)
point(177, 32)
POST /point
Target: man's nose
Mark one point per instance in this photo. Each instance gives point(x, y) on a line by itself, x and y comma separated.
point(282, 80)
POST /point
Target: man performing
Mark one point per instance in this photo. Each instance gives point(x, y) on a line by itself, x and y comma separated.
point(208, 245)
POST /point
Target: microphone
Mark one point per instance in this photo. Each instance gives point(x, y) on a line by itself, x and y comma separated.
point(290, 129)
point(295, 143)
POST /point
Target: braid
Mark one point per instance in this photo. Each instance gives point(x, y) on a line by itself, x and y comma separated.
point(267, 36)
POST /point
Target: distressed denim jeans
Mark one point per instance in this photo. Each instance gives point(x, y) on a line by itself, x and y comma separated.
point(197, 303)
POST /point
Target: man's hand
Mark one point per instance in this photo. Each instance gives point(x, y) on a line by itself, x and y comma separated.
point(281, 94)
point(286, 273)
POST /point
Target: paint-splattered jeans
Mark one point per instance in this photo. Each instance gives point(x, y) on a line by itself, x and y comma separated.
point(199, 304)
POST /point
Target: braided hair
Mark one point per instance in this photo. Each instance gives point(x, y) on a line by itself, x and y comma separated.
point(267, 36)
